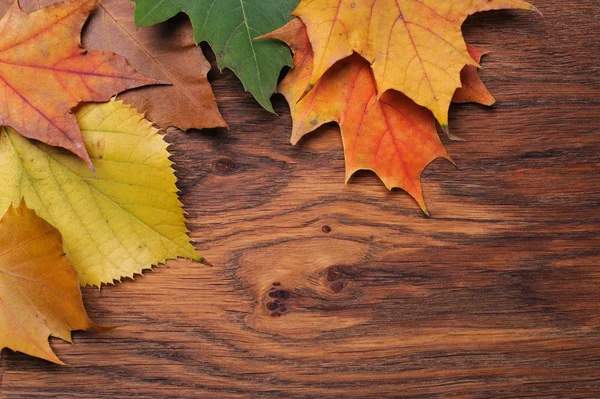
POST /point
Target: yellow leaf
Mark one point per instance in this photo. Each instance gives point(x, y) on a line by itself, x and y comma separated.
point(39, 293)
point(116, 224)
point(414, 46)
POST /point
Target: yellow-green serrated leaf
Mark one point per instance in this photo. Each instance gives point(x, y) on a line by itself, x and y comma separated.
point(116, 224)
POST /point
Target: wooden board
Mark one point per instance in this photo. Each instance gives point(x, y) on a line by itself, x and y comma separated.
point(496, 295)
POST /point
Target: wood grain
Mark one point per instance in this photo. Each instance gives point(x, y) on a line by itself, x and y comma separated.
point(321, 290)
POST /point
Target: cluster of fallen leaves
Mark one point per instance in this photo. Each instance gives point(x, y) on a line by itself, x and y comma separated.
point(87, 191)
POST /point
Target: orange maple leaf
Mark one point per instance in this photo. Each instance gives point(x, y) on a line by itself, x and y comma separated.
point(45, 73)
point(392, 136)
point(414, 46)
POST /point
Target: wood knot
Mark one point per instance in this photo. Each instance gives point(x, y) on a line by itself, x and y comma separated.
point(279, 305)
point(337, 287)
point(333, 273)
point(280, 294)
point(225, 166)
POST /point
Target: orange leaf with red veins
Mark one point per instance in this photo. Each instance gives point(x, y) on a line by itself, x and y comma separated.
point(39, 291)
point(45, 73)
point(165, 52)
point(414, 46)
point(392, 136)
point(473, 90)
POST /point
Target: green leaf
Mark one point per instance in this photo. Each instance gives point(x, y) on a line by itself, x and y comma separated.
point(230, 26)
point(116, 224)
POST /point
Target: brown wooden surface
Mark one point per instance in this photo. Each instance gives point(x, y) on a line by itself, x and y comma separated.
point(496, 295)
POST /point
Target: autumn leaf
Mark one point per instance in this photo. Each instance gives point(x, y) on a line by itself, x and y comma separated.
point(44, 73)
point(473, 90)
point(114, 224)
point(415, 46)
point(165, 52)
point(230, 26)
point(39, 293)
point(393, 137)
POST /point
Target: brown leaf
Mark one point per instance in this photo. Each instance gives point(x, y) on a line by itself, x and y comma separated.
point(165, 52)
